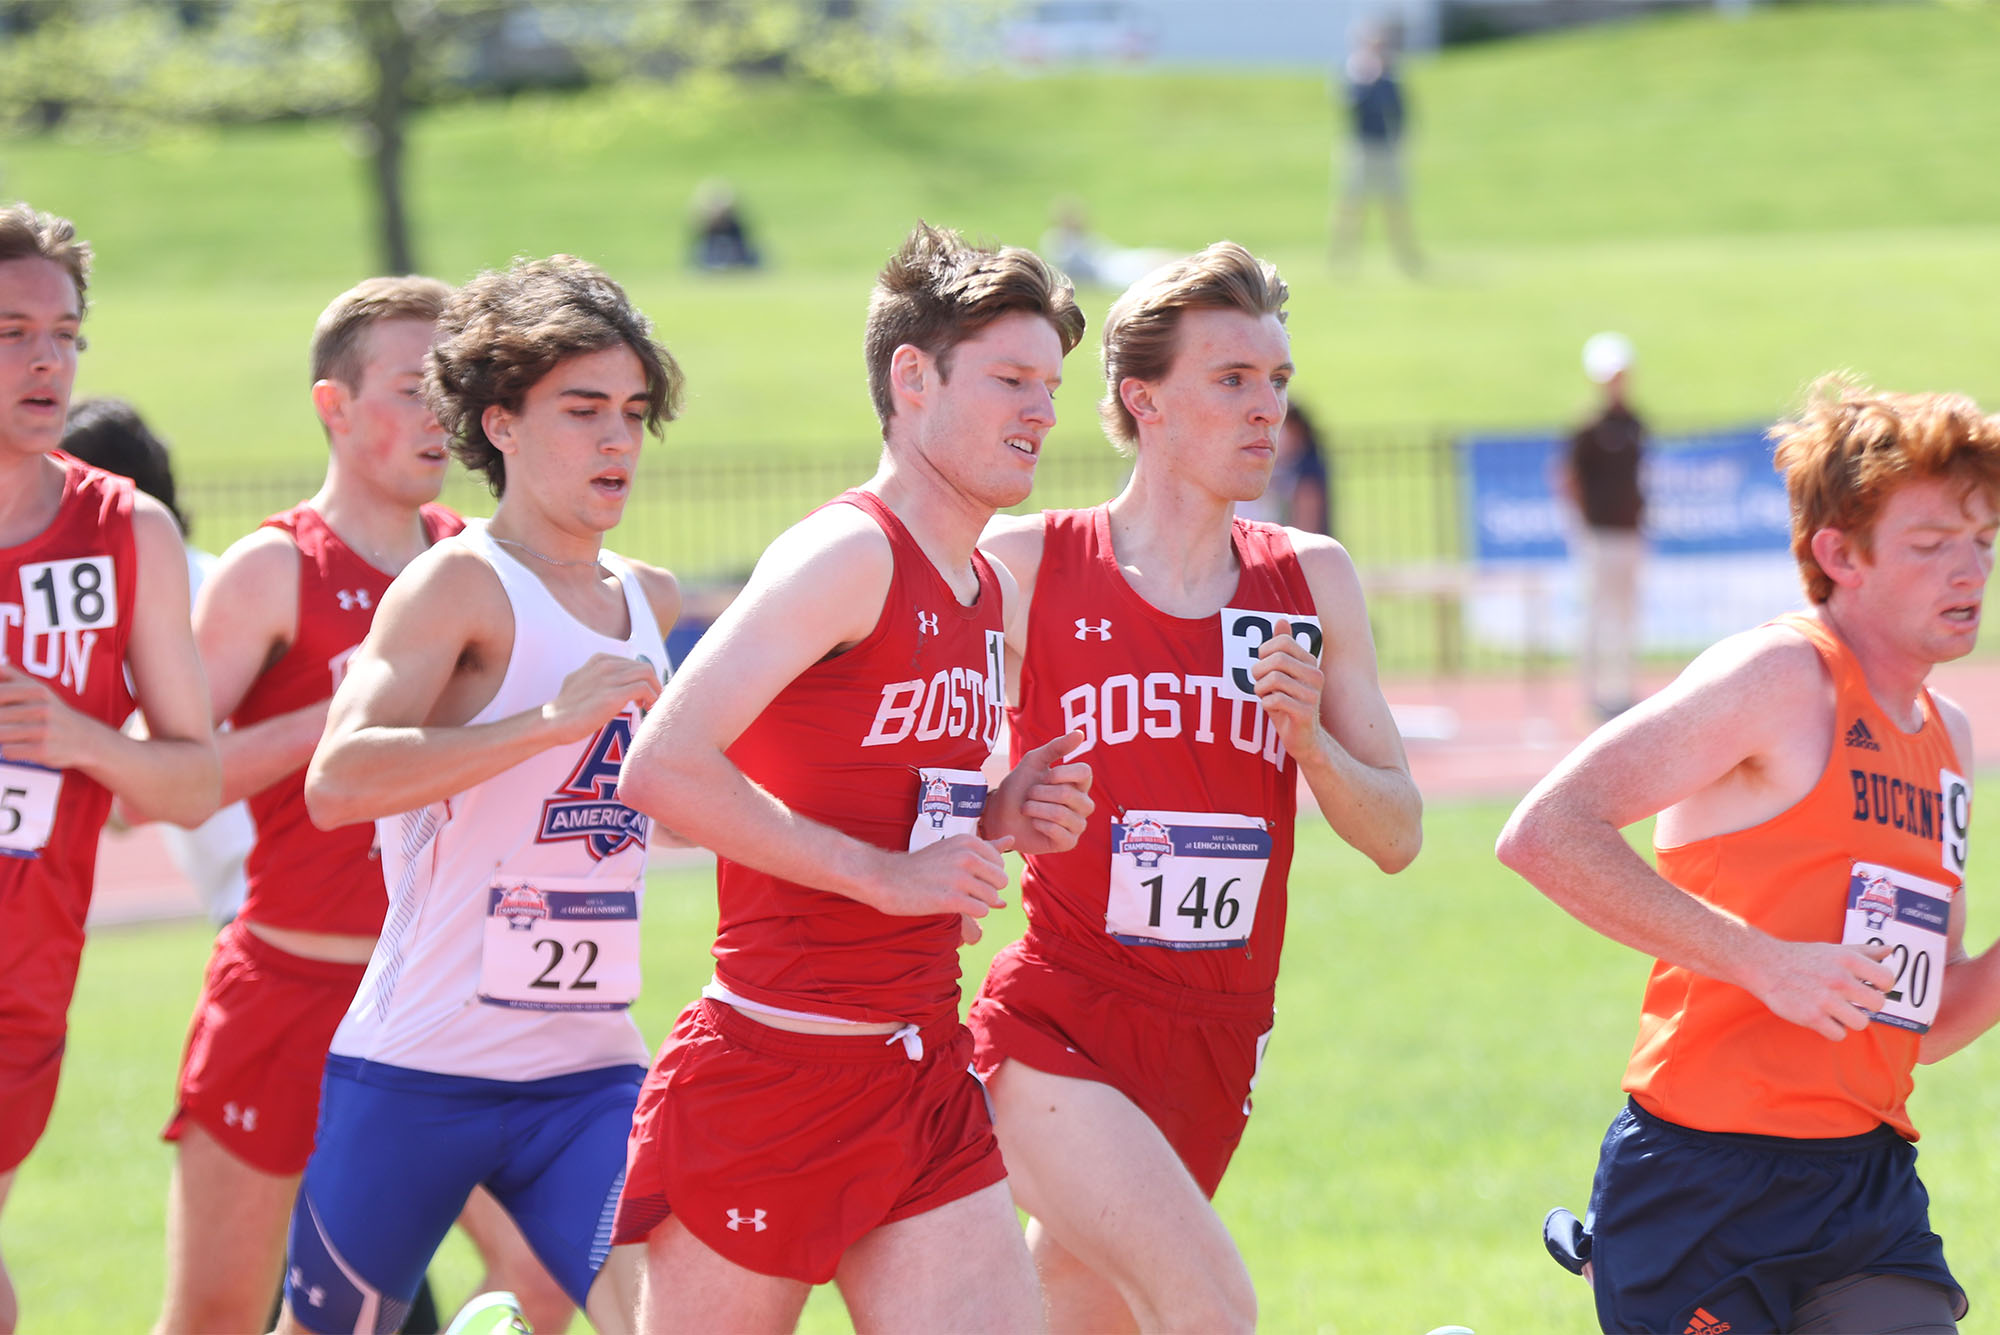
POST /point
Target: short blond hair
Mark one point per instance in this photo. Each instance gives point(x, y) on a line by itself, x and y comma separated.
point(1142, 332)
point(1849, 447)
point(339, 341)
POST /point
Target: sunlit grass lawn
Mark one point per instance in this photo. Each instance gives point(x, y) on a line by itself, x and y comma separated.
point(1447, 1054)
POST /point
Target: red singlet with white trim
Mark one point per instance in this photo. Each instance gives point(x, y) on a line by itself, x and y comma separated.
point(1162, 736)
point(842, 744)
point(66, 601)
point(300, 876)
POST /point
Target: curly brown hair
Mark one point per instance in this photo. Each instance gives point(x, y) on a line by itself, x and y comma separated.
point(503, 331)
point(1142, 332)
point(28, 234)
point(1850, 447)
point(938, 290)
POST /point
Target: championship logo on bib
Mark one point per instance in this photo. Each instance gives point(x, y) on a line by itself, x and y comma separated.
point(1147, 841)
point(1186, 880)
point(521, 907)
point(935, 802)
point(949, 802)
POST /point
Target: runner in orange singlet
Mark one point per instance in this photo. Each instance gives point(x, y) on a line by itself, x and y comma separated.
point(1808, 913)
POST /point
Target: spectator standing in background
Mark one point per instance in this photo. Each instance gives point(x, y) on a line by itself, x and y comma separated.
point(1377, 118)
point(1601, 481)
point(108, 433)
point(1300, 494)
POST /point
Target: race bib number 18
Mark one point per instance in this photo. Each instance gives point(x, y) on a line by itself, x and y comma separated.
point(1887, 907)
point(77, 594)
point(1185, 880)
point(562, 944)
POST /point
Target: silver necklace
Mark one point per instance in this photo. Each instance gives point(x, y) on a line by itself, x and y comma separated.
point(551, 560)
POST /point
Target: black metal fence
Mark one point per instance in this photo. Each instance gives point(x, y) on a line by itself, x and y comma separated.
point(1395, 499)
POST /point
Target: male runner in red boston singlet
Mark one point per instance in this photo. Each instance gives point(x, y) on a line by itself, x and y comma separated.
point(812, 1118)
point(73, 543)
point(1208, 663)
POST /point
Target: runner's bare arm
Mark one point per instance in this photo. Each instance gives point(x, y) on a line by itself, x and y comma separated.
point(1970, 1002)
point(245, 618)
point(396, 737)
point(817, 591)
point(1733, 706)
point(1332, 717)
point(1015, 541)
point(171, 773)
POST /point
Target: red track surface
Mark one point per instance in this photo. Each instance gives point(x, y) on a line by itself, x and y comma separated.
point(1470, 738)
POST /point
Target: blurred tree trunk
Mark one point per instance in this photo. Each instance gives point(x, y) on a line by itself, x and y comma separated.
point(391, 45)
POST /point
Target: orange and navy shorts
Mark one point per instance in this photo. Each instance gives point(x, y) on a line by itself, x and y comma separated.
point(780, 1150)
point(256, 1049)
point(1186, 1058)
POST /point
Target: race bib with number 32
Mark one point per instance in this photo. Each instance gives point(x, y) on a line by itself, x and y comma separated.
point(560, 944)
point(1910, 915)
point(1244, 631)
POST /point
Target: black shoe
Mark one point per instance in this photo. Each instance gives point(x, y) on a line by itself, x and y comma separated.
point(1563, 1235)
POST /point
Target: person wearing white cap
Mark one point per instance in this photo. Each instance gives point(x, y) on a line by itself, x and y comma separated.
point(1601, 478)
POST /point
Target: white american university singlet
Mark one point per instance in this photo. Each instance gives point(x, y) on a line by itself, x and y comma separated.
point(511, 947)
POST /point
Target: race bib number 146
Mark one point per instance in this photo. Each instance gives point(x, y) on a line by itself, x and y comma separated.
point(1186, 880)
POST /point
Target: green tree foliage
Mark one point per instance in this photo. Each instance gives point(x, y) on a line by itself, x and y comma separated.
point(123, 67)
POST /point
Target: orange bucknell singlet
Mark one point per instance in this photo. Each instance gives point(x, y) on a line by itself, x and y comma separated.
point(1710, 1055)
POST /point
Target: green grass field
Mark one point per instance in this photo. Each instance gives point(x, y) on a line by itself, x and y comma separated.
point(1755, 202)
point(1447, 1054)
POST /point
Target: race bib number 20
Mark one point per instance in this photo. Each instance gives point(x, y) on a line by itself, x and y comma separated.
point(1910, 915)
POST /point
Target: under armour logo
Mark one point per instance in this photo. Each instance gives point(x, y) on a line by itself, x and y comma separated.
point(737, 1219)
point(927, 623)
point(314, 1294)
point(353, 598)
point(1102, 630)
point(246, 1118)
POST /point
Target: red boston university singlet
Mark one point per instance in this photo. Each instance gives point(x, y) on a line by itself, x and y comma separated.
point(875, 742)
point(1181, 870)
point(66, 600)
point(302, 877)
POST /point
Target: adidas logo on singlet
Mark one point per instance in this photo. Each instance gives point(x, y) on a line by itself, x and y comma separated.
point(1858, 735)
point(1706, 1322)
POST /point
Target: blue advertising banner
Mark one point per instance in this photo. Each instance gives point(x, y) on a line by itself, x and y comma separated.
point(1717, 538)
point(1705, 494)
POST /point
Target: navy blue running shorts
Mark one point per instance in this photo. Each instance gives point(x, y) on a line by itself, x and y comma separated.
point(1707, 1231)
